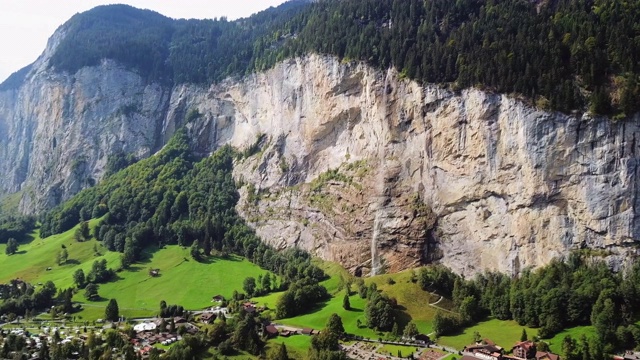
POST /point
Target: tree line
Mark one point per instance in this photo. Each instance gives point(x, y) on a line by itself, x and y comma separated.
point(577, 291)
point(565, 55)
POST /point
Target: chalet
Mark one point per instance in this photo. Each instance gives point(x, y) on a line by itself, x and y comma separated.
point(271, 331)
point(208, 318)
point(524, 350)
point(485, 351)
point(307, 331)
point(179, 320)
point(249, 307)
point(484, 348)
point(218, 298)
point(542, 355)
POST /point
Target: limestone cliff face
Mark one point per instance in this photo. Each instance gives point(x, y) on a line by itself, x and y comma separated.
point(57, 130)
point(354, 164)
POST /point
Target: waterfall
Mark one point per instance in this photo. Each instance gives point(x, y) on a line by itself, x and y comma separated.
point(380, 185)
point(375, 257)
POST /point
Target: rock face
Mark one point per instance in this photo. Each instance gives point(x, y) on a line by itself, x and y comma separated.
point(353, 164)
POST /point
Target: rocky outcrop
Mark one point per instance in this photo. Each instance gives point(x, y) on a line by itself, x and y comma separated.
point(354, 164)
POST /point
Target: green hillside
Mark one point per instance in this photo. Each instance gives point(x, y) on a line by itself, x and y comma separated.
point(182, 280)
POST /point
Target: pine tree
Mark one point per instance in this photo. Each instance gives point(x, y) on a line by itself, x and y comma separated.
point(79, 278)
point(12, 246)
point(63, 256)
point(334, 325)
point(195, 251)
point(91, 292)
point(346, 304)
point(524, 336)
point(395, 331)
point(111, 312)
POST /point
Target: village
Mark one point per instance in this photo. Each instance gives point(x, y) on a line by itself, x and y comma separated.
point(158, 334)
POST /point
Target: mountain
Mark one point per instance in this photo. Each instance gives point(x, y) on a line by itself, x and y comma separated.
point(347, 152)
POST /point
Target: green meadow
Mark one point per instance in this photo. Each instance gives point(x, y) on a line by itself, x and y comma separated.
point(182, 280)
point(503, 333)
point(555, 343)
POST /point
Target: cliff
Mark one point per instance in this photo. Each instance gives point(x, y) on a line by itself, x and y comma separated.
point(353, 164)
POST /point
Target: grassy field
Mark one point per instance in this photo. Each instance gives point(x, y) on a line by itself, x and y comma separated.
point(297, 345)
point(555, 343)
point(35, 255)
point(503, 333)
point(413, 301)
point(182, 280)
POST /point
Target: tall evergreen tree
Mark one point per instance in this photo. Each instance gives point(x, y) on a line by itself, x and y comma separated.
point(111, 312)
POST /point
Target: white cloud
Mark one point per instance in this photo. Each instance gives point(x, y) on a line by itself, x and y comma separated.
point(25, 25)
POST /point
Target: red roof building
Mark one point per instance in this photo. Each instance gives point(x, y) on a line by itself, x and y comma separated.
point(524, 350)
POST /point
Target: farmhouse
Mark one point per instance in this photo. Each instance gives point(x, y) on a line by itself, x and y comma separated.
point(541, 355)
point(486, 351)
point(208, 318)
point(249, 307)
point(524, 350)
point(271, 331)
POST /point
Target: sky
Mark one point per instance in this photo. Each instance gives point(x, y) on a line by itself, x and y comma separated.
point(26, 25)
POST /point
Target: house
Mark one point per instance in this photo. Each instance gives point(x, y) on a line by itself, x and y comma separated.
point(208, 318)
point(485, 351)
point(524, 350)
point(248, 307)
point(271, 331)
point(218, 298)
point(484, 348)
point(286, 333)
point(543, 355)
point(307, 331)
point(179, 320)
